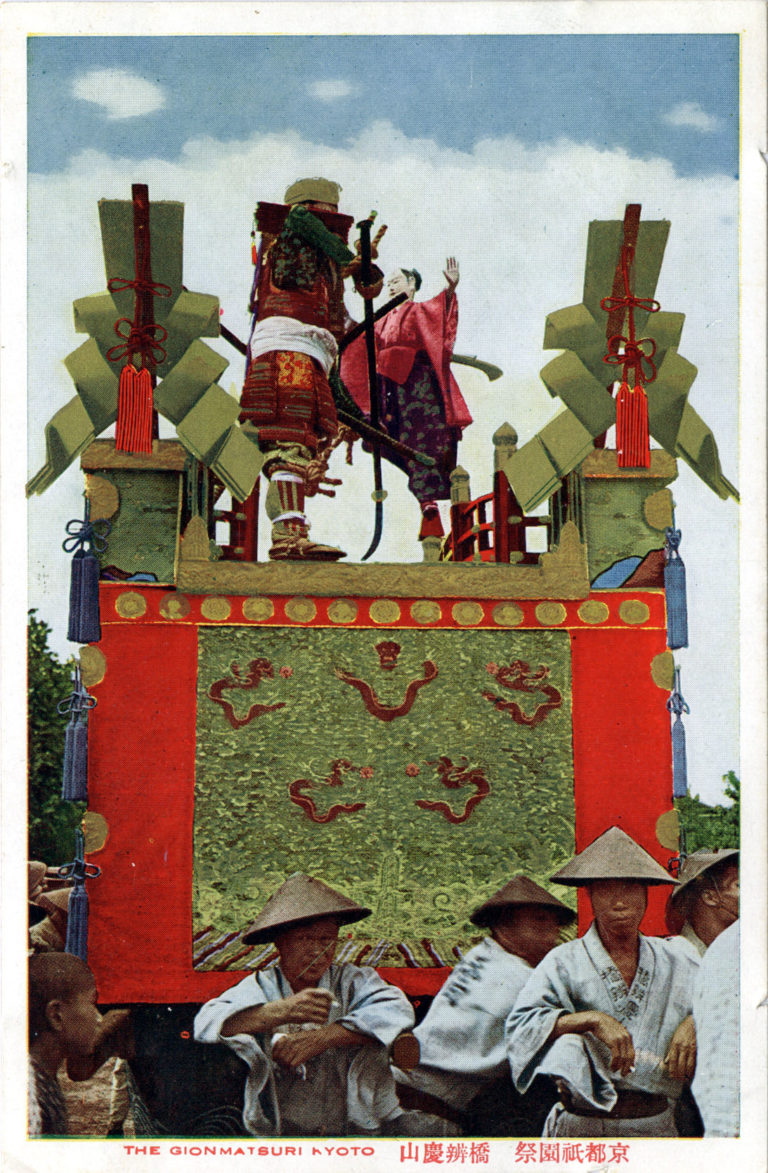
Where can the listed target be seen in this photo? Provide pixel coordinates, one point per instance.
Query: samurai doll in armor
(298, 320)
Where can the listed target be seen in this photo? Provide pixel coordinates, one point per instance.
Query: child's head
(62, 1002)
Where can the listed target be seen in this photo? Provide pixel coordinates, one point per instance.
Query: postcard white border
(746, 17)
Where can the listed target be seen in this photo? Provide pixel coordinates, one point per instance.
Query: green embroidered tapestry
(415, 770)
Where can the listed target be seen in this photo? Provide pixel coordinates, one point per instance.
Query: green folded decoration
(67, 435)
(574, 328)
(166, 232)
(96, 382)
(96, 315)
(667, 397)
(566, 442)
(237, 463)
(568, 378)
(531, 474)
(186, 392)
(604, 242)
(195, 315)
(579, 376)
(192, 315)
(202, 429)
(188, 380)
(697, 446)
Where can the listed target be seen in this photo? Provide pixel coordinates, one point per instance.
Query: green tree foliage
(51, 822)
(711, 826)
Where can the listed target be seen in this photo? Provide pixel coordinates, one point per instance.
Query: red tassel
(632, 428)
(134, 410)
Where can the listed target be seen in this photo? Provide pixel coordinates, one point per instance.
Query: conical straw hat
(694, 866)
(299, 900)
(56, 901)
(614, 855)
(520, 891)
(35, 873)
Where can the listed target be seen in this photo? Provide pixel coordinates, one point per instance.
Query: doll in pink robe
(420, 403)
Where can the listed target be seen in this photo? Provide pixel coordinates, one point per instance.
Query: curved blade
(378, 526)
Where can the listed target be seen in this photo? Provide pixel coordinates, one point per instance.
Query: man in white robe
(704, 903)
(716, 1014)
(461, 1046)
(314, 1035)
(706, 899)
(608, 1016)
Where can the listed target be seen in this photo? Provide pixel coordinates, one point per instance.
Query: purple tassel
(74, 784)
(674, 587)
(84, 619)
(77, 923)
(77, 915)
(679, 760)
(677, 706)
(66, 772)
(79, 775)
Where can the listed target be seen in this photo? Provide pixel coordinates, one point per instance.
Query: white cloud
(120, 93)
(517, 219)
(692, 115)
(330, 89)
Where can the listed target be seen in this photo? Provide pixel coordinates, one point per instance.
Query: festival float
(410, 733)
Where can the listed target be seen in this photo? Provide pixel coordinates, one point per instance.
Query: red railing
(494, 526)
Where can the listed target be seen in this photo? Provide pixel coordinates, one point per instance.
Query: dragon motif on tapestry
(453, 778)
(518, 676)
(297, 790)
(257, 670)
(380, 709)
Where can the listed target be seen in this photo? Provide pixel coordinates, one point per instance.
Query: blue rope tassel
(677, 706)
(77, 917)
(674, 586)
(74, 778)
(84, 620)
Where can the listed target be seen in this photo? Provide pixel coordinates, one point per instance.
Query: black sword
(370, 345)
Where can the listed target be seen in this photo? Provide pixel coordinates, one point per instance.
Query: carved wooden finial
(194, 543)
(431, 548)
(504, 444)
(460, 491)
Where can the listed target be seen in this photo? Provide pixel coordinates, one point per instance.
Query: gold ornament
(384, 611)
(593, 611)
(425, 611)
(260, 610)
(550, 614)
(174, 606)
(342, 611)
(300, 610)
(215, 607)
(130, 605)
(633, 611)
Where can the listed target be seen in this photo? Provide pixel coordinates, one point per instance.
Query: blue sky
(662, 95)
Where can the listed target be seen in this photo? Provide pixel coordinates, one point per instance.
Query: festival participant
(299, 317)
(608, 1015)
(36, 885)
(420, 403)
(462, 1074)
(706, 900)
(704, 904)
(49, 935)
(716, 1015)
(64, 1024)
(313, 1034)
